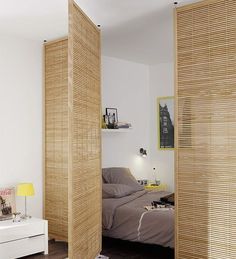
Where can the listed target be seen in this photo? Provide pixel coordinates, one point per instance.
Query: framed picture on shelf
(165, 118)
(7, 203)
(112, 115)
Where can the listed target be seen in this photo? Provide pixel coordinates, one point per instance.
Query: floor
(114, 249)
(57, 250)
(117, 249)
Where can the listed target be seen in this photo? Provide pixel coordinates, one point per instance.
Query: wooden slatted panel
(56, 138)
(206, 141)
(84, 135)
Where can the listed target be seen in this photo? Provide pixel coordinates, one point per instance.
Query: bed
(124, 215)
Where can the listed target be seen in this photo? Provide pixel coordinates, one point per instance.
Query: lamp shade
(25, 189)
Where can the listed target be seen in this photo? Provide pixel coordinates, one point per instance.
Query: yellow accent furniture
(161, 187)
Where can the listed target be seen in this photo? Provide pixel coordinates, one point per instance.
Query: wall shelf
(116, 130)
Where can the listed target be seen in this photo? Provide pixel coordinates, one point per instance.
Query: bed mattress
(126, 218)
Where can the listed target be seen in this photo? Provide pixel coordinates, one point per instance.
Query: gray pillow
(121, 175)
(110, 190)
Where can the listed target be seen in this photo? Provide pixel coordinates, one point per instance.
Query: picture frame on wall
(165, 120)
(112, 115)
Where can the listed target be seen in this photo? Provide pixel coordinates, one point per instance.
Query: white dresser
(23, 238)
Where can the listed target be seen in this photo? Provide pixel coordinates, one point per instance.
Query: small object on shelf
(111, 126)
(112, 115)
(143, 182)
(116, 130)
(16, 217)
(104, 124)
(111, 118)
(105, 118)
(156, 181)
(124, 125)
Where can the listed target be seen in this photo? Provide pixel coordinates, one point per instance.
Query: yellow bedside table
(161, 187)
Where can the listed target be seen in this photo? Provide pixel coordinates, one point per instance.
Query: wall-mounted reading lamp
(143, 152)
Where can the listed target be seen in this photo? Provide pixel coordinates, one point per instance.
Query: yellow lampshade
(25, 189)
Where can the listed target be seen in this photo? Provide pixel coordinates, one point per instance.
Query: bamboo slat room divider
(206, 130)
(56, 138)
(72, 137)
(84, 136)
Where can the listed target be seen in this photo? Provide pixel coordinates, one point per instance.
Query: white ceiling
(136, 30)
(33, 19)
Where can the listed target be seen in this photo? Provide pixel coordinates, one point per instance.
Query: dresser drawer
(21, 230)
(22, 247)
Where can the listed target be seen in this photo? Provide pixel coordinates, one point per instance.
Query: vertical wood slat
(84, 136)
(56, 139)
(206, 141)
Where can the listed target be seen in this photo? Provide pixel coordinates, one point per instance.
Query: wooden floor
(114, 249)
(118, 249)
(57, 250)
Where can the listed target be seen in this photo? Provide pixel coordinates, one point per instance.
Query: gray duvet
(125, 218)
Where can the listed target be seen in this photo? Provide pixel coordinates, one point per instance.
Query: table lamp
(25, 189)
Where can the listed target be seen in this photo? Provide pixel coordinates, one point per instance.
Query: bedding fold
(109, 207)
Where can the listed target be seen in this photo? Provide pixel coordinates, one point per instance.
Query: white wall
(21, 117)
(161, 84)
(133, 88)
(125, 86)
(123, 82)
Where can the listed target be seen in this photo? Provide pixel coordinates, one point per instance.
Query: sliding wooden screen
(84, 136)
(72, 137)
(56, 139)
(206, 130)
